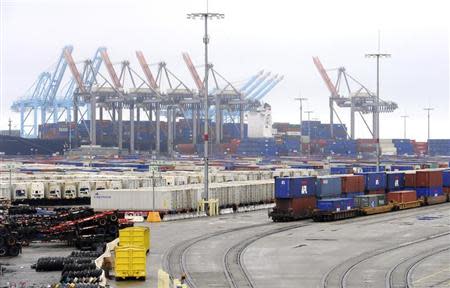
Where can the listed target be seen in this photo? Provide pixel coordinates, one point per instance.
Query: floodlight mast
(205, 16)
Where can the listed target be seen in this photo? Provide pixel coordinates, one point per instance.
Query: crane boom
(50, 93)
(251, 81)
(262, 87)
(109, 66)
(73, 69)
(194, 73)
(146, 69)
(270, 87)
(325, 77)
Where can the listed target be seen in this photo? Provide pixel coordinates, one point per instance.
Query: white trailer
(53, 190)
(84, 189)
(37, 190)
(69, 191)
(21, 191)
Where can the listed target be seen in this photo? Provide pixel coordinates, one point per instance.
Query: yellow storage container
(130, 262)
(135, 236)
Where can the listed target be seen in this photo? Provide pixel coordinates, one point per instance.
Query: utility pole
(404, 125)
(205, 16)
(376, 111)
(309, 130)
(9, 127)
(300, 99)
(428, 109)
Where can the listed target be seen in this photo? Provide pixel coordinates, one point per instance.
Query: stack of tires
(9, 242)
(102, 230)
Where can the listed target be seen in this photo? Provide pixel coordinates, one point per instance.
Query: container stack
(446, 183)
(258, 147)
(387, 147)
(352, 185)
(328, 187)
(395, 181)
(335, 204)
(429, 183)
(341, 170)
(439, 147)
(296, 194)
(403, 146)
(341, 147)
(375, 182)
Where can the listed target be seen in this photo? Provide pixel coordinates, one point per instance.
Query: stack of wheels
(85, 254)
(91, 276)
(9, 242)
(49, 264)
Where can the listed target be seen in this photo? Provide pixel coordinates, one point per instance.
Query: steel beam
(158, 128)
(120, 126)
(132, 129)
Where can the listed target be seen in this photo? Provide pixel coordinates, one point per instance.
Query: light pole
(205, 16)
(376, 112)
(404, 125)
(300, 99)
(309, 129)
(428, 109)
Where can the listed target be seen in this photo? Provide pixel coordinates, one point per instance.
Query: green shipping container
(373, 200)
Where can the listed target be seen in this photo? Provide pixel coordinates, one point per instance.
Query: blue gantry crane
(48, 95)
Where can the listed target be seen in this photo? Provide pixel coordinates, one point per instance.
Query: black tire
(100, 231)
(113, 229)
(3, 251)
(102, 222)
(14, 250)
(113, 218)
(11, 240)
(2, 241)
(3, 231)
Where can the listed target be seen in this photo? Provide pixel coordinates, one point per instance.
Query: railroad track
(401, 274)
(234, 271)
(337, 277)
(175, 259)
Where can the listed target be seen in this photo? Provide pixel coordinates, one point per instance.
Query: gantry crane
(360, 100)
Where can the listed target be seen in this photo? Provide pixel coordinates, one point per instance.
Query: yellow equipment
(153, 217)
(130, 262)
(135, 236)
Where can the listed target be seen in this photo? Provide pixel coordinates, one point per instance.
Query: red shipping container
(352, 183)
(402, 196)
(410, 179)
(185, 148)
(298, 207)
(446, 190)
(428, 178)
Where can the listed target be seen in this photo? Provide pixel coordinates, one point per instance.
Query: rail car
(391, 195)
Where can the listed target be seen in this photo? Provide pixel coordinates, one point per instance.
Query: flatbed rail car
(376, 210)
(323, 216)
(407, 205)
(432, 200)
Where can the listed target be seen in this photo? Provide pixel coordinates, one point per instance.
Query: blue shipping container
(395, 181)
(374, 180)
(328, 186)
(341, 170)
(446, 178)
(429, 192)
(295, 187)
(335, 204)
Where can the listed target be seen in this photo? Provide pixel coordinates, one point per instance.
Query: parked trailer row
(183, 198)
(80, 186)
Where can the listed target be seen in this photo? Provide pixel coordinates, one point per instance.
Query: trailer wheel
(3, 231)
(113, 218)
(14, 250)
(102, 222)
(10, 240)
(3, 251)
(112, 229)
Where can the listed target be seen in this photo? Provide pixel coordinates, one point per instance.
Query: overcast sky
(277, 36)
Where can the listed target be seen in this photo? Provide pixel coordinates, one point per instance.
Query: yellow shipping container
(130, 262)
(135, 236)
